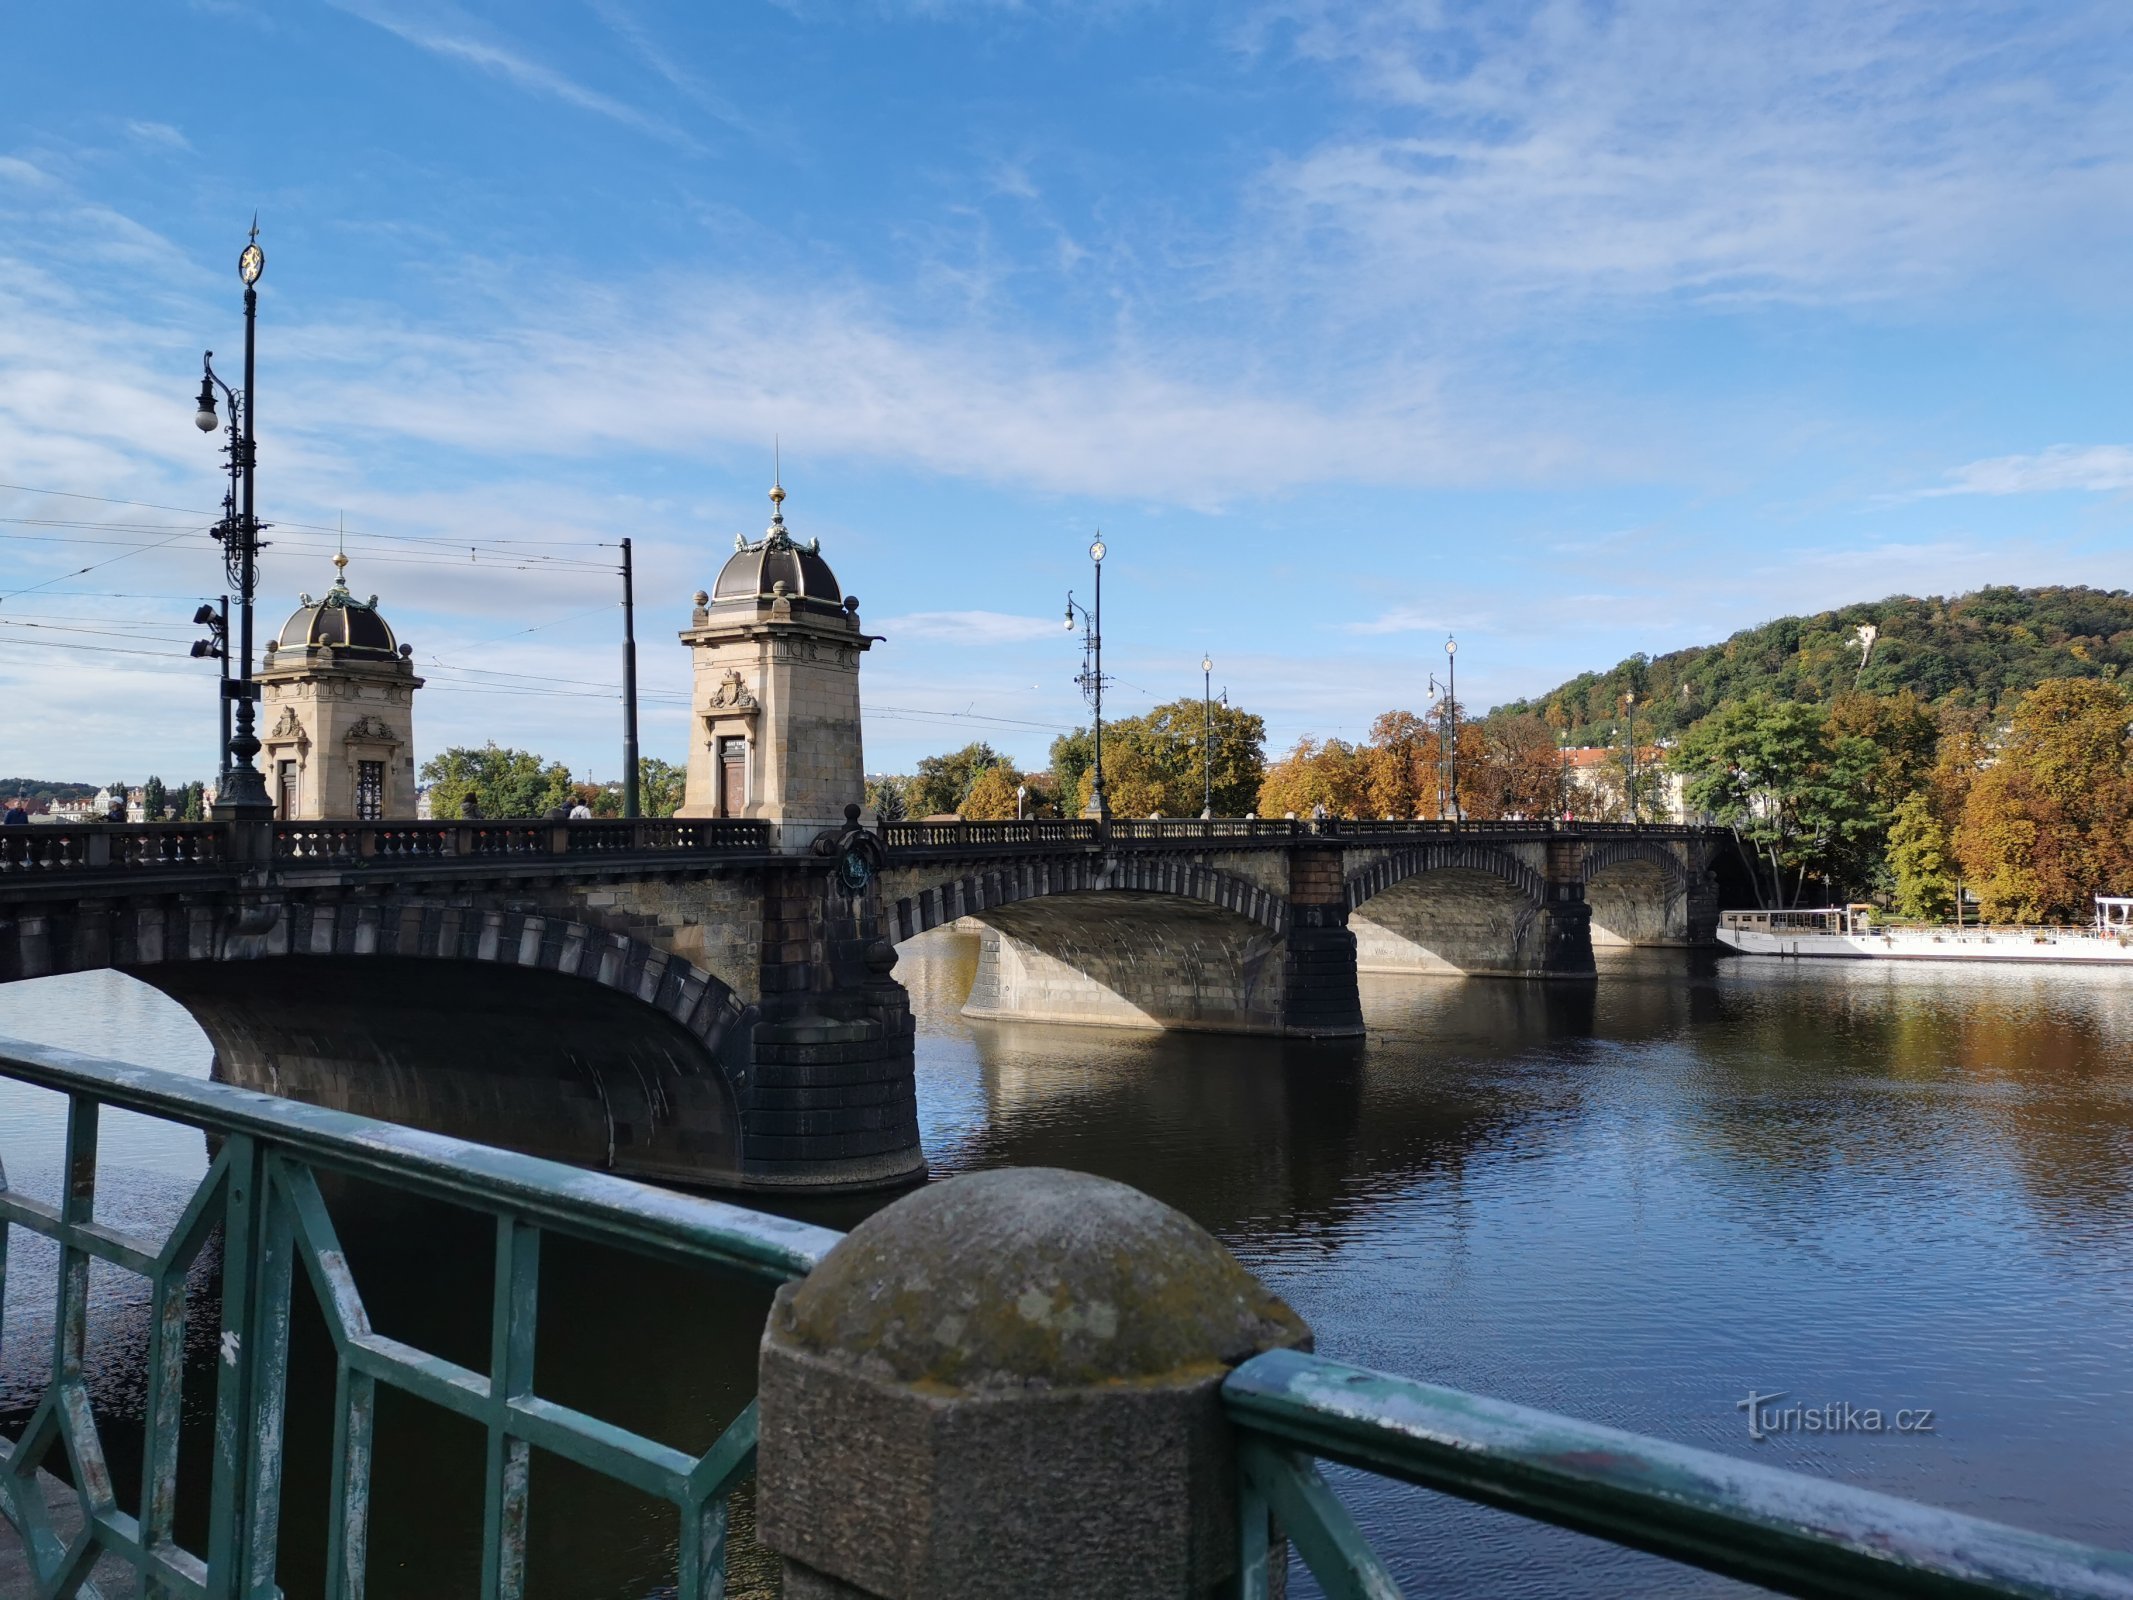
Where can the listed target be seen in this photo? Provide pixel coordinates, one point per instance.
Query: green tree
(1921, 859)
(1750, 766)
(661, 786)
(1160, 763)
(504, 782)
(1073, 754)
(155, 800)
(886, 798)
(192, 803)
(943, 781)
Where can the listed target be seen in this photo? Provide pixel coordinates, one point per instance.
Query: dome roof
(755, 570)
(351, 627)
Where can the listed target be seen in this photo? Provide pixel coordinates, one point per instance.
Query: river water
(1887, 1187)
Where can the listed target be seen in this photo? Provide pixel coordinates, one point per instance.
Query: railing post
(1009, 1385)
(97, 848)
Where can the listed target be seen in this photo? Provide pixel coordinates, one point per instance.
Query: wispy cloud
(160, 134)
(971, 627)
(1802, 150)
(514, 67)
(2093, 468)
(1401, 619)
(642, 44)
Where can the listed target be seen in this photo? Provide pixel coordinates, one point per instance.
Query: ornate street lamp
(1091, 677)
(242, 793)
(1629, 750)
(1451, 720)
(1207, 735)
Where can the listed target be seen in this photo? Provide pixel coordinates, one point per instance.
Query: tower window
(370, 791)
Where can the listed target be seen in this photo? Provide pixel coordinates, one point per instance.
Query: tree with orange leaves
(2049, 824)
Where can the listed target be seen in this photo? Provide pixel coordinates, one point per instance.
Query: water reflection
(1630, 1201)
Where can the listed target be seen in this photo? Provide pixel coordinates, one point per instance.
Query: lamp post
(1207, 736)
(1629, 750)
(1091, 677)
(242, 794)
(631, 799)
(216, 646)
(1562, 773)
(1451, 720)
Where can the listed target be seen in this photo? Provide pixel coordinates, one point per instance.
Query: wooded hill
(1975, 651)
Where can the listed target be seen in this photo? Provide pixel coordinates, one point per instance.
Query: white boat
(1851, 933)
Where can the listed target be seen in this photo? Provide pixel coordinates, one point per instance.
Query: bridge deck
(192, 852)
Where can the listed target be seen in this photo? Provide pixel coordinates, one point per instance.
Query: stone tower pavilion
(775, 710)
(337, 716)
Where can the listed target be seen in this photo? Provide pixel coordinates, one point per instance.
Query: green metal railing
(1780, 1530)
(1786, 1532)
(262, 1191)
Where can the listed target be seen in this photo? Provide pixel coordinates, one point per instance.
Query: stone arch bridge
(680, 1000)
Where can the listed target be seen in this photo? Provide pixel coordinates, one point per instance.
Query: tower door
(732, 777)
(285, 790)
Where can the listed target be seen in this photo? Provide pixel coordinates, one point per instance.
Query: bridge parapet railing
(621, 835)
(424, 841)
(1259, 830)
(957, 835)
(262, 1193)
(49, 848)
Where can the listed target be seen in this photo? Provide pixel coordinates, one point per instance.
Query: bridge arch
(1638, 890)
(1454, 907)
(1132, 940)
(987, 886)
(452, 1018)
(1445, 855)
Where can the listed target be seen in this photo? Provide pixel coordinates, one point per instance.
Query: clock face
(251, 263)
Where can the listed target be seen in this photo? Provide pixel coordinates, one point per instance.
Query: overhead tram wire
(441, 542)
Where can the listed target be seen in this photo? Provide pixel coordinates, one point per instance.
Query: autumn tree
(992, 798)
(1400, 765)
(2049, 824)
(942, 781)
(1333, 774)
(1509, 767)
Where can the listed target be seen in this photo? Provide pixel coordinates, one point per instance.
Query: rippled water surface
(1632, 1202)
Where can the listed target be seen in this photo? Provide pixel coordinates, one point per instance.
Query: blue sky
(1576, 328)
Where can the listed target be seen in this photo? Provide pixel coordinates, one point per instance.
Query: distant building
(1597, 779)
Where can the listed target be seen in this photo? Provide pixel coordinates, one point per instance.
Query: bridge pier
(830, 1101)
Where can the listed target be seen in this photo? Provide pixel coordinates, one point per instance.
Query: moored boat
(1853, 933)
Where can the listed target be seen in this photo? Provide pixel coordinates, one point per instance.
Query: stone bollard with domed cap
(1006, 1385)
